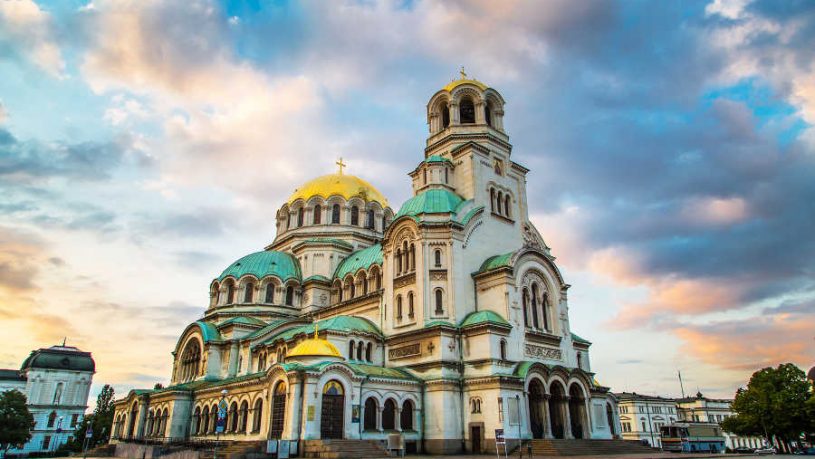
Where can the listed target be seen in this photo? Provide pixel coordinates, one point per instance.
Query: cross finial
(463, 73)
(340, 164)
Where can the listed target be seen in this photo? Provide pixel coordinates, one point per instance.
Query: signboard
(499, 437)
(310, 413)
(220, 422)
(89, 432)
(404, 352)
(355, 413)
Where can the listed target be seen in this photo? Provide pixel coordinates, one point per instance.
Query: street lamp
(520, 442)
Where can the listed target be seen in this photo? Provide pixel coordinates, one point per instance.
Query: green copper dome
(262, 264)
(60, 358)
(434, 201)
(361, 259)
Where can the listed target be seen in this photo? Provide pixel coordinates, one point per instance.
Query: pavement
(655, 455)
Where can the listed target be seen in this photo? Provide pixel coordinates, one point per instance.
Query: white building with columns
(56, 382)
(442, 321)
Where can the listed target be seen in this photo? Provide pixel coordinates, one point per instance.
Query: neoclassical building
(442, 321)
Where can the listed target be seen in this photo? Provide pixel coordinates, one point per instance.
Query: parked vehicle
(763, 451)
(806, 452)
(743, 450)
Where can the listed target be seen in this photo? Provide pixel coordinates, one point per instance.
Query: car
(743, 450)
(806, 452)
(763, 451)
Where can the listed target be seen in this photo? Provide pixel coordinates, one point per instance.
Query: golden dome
(456, 83)
(347, 186)
(314, 347)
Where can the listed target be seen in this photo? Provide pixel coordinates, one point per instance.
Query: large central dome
(347, 186)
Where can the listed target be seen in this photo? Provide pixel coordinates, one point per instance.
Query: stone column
(567, 421)
(397, 422)
(480, 117)
(294, 407)
(455, 119)
(379, 410)
(547, 423)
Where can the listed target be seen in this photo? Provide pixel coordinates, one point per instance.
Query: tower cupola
(465, 104)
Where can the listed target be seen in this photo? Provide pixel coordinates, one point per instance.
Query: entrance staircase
(551, 447)
(335, 449)
(239, 449)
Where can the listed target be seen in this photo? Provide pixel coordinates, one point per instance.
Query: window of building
(579, 360)
(437, 258)
(270, 292)
(335, 213)
(230, 293)
(299, 217)
(370, 222)
(355, 216)
(399, 307)
(52, 418)
(644, 428)
(492, 200)
(247, 295)
(290, 295)
(424, 174)
(475, 405)
(439, 301)
(488, 114)
(318, 214)
(369, 352)
(446, 177)
(467, 111)
(498, 202)
(410, 305)
(351, 350)
(445, 115)
(360, 350)
(507, 212)
(46, 442)
(58, 393)
(74, 419)
(503, 349)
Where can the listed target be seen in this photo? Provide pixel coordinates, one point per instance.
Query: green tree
(99, 421)
(774, 404)
(15, 420)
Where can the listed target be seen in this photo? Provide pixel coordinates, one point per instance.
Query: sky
(146, 145)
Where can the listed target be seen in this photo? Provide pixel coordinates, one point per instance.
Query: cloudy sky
(145, 145)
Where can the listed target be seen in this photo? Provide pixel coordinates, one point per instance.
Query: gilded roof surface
(456, 83)
(347, 186)
(361, 259)
(337, 323)
(314, 347)
(265, 263)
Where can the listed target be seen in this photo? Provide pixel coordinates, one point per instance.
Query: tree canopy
(775, 403)
(15, 420)
(100, 422)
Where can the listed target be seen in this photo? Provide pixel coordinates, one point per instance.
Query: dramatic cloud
(26, 31)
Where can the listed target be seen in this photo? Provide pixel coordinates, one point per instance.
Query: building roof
(461, 81)
(271, 326)
(336, 323)
(209, 332)
(60, 358)
(578, 339)
(633, 396)
(483, 317)
(244, 320)
(495, 262)
(314, 347)
(361, 259)
(262, 264)
(437, 159)
(360, 369)
(433, 201)
(347, 186)
(11, 375)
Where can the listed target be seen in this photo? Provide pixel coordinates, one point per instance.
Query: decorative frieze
(530, 350)
(404, 280)
(438, 274)
(411, 350)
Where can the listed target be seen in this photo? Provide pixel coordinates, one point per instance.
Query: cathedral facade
(443, 321)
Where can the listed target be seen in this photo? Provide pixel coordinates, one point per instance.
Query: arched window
(369, 352)
(58, 393)
(506, 207)
(196, 421)
(503, 349)
(338, 288)
(475, 405)
(290, 295)
(247, 292)
(525, 304)
(216, 289)
(399, 307)
(384, 223)
(233, 417)
(369, 422)
(204, 428)
(230, 293)
(410, 305)
(546, 312)
(445, 115)
(352, 288)
(355, 216)
(412, 257)
(299, 217)
(424, 174)
(439, 301)
(244, 416)
(370, 222)
(318, 214)
(52, 418)
(190, 361)
(497, 168)
(406, 417)
(488, 114)
(257, 415)
(351, 350)
(579, 360)
(535, 322)
(492, 200)
(398, 261)
(378, 280)
(270, 292)
(437, 257)
(498, 201)
(360, 350)
(389, 415)
(335, 213)
(445, 175)
(406, 259)
(466, 111)
(364, 284)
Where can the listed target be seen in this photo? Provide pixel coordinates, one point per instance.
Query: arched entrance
(278, 411)
(537, 415)
(134, 414)
(557, 413)
(610, 419)
(577, 411)
(332, 413)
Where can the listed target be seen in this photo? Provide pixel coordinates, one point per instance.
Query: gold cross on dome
(463, 73)
(340, 164)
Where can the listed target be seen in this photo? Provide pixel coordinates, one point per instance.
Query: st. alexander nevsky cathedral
(441, 322)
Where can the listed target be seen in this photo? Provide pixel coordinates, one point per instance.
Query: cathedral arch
(336, 210)
(257, 414)
(337, 291)
(229, 291)
(317, 214)
(369, 415)
(438, 301)
(247, 288)
(389, 414)
(190, 361)
(214, 293)
(375, 275)
(269, 286)
(362, 281)
(407, 414)
(350, 287)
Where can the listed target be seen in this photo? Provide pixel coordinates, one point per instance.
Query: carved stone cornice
(406, 279)
(540, 337)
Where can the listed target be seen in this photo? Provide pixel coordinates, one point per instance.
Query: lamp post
(520, 442)
(219, 422)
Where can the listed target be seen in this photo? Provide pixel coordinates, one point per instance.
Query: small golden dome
(314, 347)
(347, 186)
(456, 83)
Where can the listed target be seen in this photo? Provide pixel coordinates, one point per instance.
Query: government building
(440, 321)
(56, 382)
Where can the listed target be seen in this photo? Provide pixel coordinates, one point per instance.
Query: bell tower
(468, 151)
